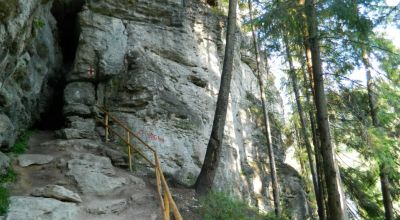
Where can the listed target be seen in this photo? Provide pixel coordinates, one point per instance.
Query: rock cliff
(30, 57)
(155, 64)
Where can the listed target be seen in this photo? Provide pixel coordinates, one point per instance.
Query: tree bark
(321, 201)
(336, 207)
(385, 184)
(206, 178)
(303, 127)
(271, 156)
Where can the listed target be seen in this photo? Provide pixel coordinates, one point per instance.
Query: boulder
(79, 93)
(57, 192)
(94, 174)
(78, 128)
(28, 208)
(107, 207)
(30, 159)
(187, 176)
(76, 109)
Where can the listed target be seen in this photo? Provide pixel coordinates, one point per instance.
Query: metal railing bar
(126, 128)
(166, 200)
(175, 209)
(158, 183)
(135, 149)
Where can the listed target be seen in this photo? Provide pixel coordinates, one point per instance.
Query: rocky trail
(84, 179)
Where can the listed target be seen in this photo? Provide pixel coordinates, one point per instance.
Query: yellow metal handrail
(164, 194)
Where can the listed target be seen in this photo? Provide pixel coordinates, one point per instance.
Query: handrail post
(166, 208)
(166, 200)
(128, 139)
(106, 126)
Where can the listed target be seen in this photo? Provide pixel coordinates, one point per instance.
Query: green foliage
(360, 186)
(220, 206)
(9, 177)
(218, 11)
(4, 200)
(38, 23)
(346, 34)
(21, 144)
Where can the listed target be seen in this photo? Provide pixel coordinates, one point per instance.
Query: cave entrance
(52, 117)
(66, 14)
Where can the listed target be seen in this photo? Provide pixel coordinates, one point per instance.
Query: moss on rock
(8, 8)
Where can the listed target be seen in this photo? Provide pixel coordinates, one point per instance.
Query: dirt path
(106, 191)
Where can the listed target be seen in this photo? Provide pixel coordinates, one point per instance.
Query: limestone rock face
(26, 208)
(157, 68)
(29, 57)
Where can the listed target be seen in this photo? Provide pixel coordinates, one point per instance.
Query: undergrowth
(220, 206)
(9, 177)
(19, 147)
(21, 144)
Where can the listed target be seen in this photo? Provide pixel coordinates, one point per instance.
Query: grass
(220, 206)
(9, 177)
(4, 200)
(21, 144)
(19, 147)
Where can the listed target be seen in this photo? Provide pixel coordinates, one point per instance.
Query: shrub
(220, 206)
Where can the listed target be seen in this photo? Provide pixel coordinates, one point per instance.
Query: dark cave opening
(213, 3)
(66, 15)
(52, 117)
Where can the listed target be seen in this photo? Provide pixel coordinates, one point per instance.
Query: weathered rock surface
(62, 182)
(7, 132)
(28, 208)
(156, 65)
(117, 157)
(157, 68)
(94, 174)
(29, 58)
(30, 159)
(57, 192)
(107, 207)
(4, 163)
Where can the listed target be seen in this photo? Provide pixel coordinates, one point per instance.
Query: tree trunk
(206, 178)
(385, 184)
(321, 201)
(322, 213)
(271, 156)
(303, 126)
(336, 207)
